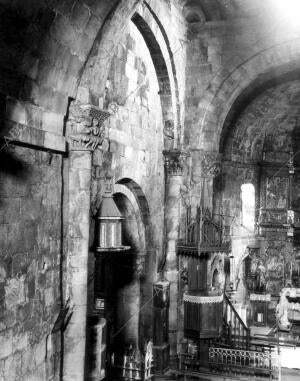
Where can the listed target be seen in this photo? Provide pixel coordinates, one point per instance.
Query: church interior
(149, 190)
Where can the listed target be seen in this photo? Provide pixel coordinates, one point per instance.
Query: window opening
(248, 206)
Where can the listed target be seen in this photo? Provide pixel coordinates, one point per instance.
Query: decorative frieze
(260, 297)
(202, 299)
(85, 128)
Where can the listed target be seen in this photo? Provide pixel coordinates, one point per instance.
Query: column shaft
(77, 263)
(172, 218)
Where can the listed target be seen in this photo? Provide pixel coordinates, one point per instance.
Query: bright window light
(248, 206)
(289, 10)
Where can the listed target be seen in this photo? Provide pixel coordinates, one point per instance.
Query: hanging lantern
(109, 226)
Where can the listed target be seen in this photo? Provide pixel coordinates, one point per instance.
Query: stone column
(174, 171)
(85, 133)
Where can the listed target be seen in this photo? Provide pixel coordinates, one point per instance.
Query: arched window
(248, 206)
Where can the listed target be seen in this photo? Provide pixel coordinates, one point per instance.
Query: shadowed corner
(10, 165)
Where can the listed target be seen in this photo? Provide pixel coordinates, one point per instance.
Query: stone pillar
(85, 133)
(174, 171)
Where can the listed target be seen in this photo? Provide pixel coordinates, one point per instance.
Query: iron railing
(233, 361)
(243, 361)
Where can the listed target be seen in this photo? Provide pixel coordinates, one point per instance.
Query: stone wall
(52, 51)
(30, 263)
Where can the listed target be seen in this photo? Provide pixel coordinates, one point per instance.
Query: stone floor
(290, 374)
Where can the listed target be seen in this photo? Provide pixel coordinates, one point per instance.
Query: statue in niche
(260, 278)
(216, 281)
(283, 323)
(256, 279)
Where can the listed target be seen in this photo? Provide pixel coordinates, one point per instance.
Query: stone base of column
(161, 358)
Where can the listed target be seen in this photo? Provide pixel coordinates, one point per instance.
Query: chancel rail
(234, 361)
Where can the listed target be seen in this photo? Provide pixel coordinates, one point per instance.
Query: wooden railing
(237, 334)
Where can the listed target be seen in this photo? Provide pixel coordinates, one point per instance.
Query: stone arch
(123, 190)
(158, 45)
(94, 73)
(150, 15)
(134, 193)
(229, 89)
(58, 53)
(86, 35)
(128, 273)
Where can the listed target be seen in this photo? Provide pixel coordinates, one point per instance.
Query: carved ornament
(211, 164)
(85, 128)
(250, 175)
(175, 161)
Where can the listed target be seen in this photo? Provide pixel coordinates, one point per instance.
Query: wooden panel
(197, 274)
(160, 325)
(203, 320)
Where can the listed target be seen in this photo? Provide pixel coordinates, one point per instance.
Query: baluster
(124, 366)
(235, 328)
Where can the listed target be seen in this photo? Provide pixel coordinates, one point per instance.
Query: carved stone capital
(85, 127)
(250, 175)
(174, 162)
(140, 265)
(210, 164)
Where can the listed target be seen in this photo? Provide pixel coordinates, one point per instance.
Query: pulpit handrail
(242, 327)
(236, 313)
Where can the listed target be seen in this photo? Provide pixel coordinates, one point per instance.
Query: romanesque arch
(226, 88)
